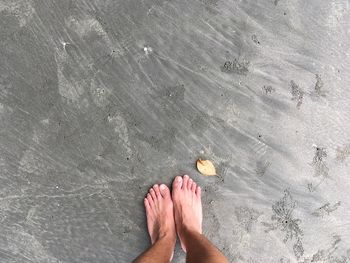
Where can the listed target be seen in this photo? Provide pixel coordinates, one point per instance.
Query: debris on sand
(297, 93)
(319, 85)
(268, 89)
(255, 39)
(236, 66)
(319, 162)
(206, 167)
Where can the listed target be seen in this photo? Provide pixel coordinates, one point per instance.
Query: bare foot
(187, 206)
(160, 214)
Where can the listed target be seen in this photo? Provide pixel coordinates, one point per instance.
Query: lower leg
(200, 249)
(160, 252)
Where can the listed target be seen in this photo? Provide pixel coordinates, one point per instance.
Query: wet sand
(99, 100)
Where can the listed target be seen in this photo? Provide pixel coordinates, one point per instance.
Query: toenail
(151, 190)
(179, 179)
(162, 187)
(155, 185)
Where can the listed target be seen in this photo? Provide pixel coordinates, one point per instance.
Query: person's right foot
(160, 214)
(186, 197)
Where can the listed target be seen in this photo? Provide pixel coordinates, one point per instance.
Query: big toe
(164, 191)
(177, 183)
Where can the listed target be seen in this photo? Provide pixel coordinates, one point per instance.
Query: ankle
(168, 236)
(188, 230)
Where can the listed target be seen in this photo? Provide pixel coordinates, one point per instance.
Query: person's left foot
(160, 213)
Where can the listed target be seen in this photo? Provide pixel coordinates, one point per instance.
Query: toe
(177, 183)
(153, 194)
(164, 191)
(157, 191)
(147, 206)
(194, 186)
(185, 181)
(198, 191)
(189, 184)
(150, 200)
